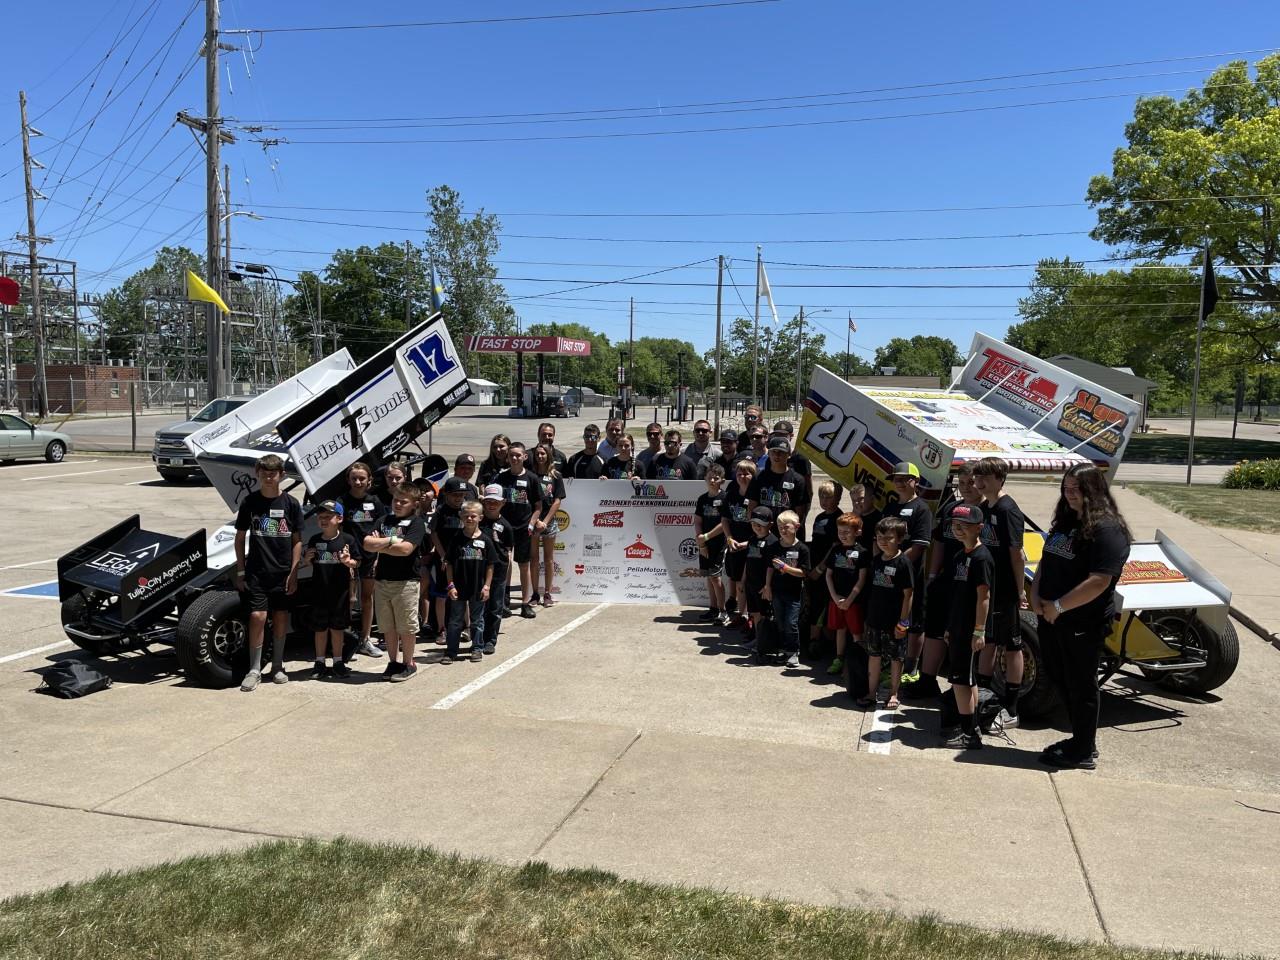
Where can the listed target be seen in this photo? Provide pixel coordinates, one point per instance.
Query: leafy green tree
(776, 358)
(835, 362)
(920, 357)
(462, 249)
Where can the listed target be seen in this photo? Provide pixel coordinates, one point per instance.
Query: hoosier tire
(212, 639)
(1222, 652)
(1039, 698)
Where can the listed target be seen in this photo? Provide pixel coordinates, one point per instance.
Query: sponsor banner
(162, 576)
(564, 346)
(1058, 405)
(855, 439)
(630, 543)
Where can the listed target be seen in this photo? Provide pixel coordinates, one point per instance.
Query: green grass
(315, 900)
(1172, 448)
(1242, 509)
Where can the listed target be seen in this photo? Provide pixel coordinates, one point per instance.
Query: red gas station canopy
(562, 346)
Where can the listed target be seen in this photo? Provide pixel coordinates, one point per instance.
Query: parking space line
(27, 466)
(85, 473)
(484, 680)
(880, 737)
(34, 650)
(30, 563)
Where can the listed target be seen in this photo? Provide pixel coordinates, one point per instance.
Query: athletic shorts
(850, 619)
(735, 564)
(330, 610)
(1004, 627)
(883, 644)
(937, 603)
(712, 565)
(962, 662)
(757, 603)
(396, 603)
(524, 545)
(266, 595)
(367, 561)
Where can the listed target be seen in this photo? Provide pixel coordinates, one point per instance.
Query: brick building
(79, 387)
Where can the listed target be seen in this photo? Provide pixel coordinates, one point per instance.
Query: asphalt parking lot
(658, 687)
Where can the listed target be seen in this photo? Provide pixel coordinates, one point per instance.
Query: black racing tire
(1222, 652)
(212, 638)
(173, 476)
(1038, 698)
(73, 611)
(55, 451)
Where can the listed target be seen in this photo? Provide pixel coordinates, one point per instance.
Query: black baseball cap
(968, 513)
(464, 458)
(779, 443)
(455, 485)
(762, 514)
(727, 434)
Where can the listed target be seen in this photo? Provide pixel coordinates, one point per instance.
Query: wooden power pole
(40, 389)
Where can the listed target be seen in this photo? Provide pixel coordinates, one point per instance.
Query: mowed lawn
(315, 900)
(1217, 506)
(1172, 448)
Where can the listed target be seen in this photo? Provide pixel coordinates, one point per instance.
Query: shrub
(1253, 475)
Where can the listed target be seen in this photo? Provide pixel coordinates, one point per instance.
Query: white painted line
(484, 680)
(880, 737)
(33, 563)
(85, 473)
(21, 466)
(34, 650)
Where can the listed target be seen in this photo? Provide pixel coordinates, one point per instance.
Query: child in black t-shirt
(468, 565)
(524, 502)
(498, 530)
(442, 527)
(846, 578)
(708, 527)
(268, 550)
(821, 536)
(362, 510)
(969, 590)
(888, 609)
(395, 595)
(785, 581)
(735, 515)
(1003, 537)
(334, 558)
(756, 568)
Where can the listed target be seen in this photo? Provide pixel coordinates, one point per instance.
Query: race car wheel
(74, 610)
(212, 639)
(1038, 697)
(1222, 651)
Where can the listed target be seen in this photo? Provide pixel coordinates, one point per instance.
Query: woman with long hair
(496, 462)
(623, 465)
(544, 467)
(1073, 596)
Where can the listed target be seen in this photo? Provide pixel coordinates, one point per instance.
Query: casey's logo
(638, 550)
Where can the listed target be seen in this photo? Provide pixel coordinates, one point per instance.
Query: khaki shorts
(396, 604)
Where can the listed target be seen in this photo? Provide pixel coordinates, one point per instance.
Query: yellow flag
(197, 289)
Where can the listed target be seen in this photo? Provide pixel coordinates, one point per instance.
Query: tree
(128, 311)
(920, 357)
(462, 249)
(777, 357)
(835, 362)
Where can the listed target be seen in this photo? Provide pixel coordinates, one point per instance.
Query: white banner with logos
(629, 543)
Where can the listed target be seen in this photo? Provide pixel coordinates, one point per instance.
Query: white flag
(762, 290)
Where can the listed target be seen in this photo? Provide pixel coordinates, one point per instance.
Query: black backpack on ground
(985, 714)
(71, 679)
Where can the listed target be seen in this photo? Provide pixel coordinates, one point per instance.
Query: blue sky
(825, 182)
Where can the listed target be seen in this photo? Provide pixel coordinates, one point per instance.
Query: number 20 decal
(837, 435)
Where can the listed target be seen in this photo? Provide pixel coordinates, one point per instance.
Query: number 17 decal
(837, 435)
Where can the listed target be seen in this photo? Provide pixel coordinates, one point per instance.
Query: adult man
(652, 433)
(727, 456)
(758, 435)
(613, 431)
(778, 487)
(702, 447)
(587, 463)
(547, 438)
(799, 463)
(671, 464)
(915, 514)
(752, 417)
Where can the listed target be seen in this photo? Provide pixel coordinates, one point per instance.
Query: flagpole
(847, 339)
(755, 343)
(1195, 377)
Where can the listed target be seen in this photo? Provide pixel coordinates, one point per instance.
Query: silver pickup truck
(170, 454)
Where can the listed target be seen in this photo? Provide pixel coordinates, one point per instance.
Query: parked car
(170, 454)
(21, 440)
(558, 405)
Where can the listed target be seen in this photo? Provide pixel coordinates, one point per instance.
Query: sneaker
(1007, 720)
(507, 613)
(964, 741)
(381, 643)
(426, 633)
(490, 647)
(526, 611)
(319, 671)
(710, 615)
(407, 673)
(723, 619)
(912, 677)
(251, 681)
(477, 654)
(367, 649)
(535, 600)
(445, 659)
(1064, 761)
(749, 645)
(341, 670)
(793, 659)
(548, 600)
(394, 667)
(837, 665)
(1061, 746)
(280, 677)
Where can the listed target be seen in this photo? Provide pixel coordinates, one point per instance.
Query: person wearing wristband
(969, 573)
(395, 594)
(784, 583)
(884, 634)
(708, 528)
(468, 566)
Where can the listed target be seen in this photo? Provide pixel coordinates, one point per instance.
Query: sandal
(892, 703)
(865, 703)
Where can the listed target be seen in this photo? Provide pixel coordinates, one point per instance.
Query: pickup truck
(174, 461)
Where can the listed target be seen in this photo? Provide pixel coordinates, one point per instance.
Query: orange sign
(1150, 571)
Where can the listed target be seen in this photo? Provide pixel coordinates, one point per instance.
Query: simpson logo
(610, 518)
(1016, 380)
(672, 520)
(562, 520)
(688, 549)
(638, 550)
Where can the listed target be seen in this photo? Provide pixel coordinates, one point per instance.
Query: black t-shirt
(523, 496)
(757, 563)
(868, 535)
(679, 467)
(1003, 532)
(488, 471)
(888, 581)
(273, 525)
(845, 564)
(709, 508)
(734, 510)
(919, 523)
(965, 573)
(360, 515)
(778, 491)
(499, 533)
(947, 543)
(823, 533)
(618, 469)
(445, 523)
(552, 490)
(795, 555)
(410, 529)
(558, 458)
(329, 575)
(1068, 559)
(468, 559)
(585, 466)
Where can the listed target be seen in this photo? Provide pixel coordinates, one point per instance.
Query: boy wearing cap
(800, 464)
(777, 486)
(362, 510)
(890, 591)
(268, 550)
(523, 498)
(1003, 537)
(784, 583)
(759, 547)
(970, 574)
(395, 593)
(468, 566)
(499, 533)
(913, 512)
(671, 464)
(587, 463)
(334, 558)
(464, 469)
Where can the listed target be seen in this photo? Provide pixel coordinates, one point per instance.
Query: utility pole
(212, 143)
(799, 354)
(719, 294)
(408, 318)
(226, 277)
(39, 386)
(755, 345)
(631, 358)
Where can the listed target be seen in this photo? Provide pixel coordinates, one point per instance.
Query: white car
(20, 440)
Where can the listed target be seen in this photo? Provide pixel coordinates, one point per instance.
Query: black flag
(1208, 289)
